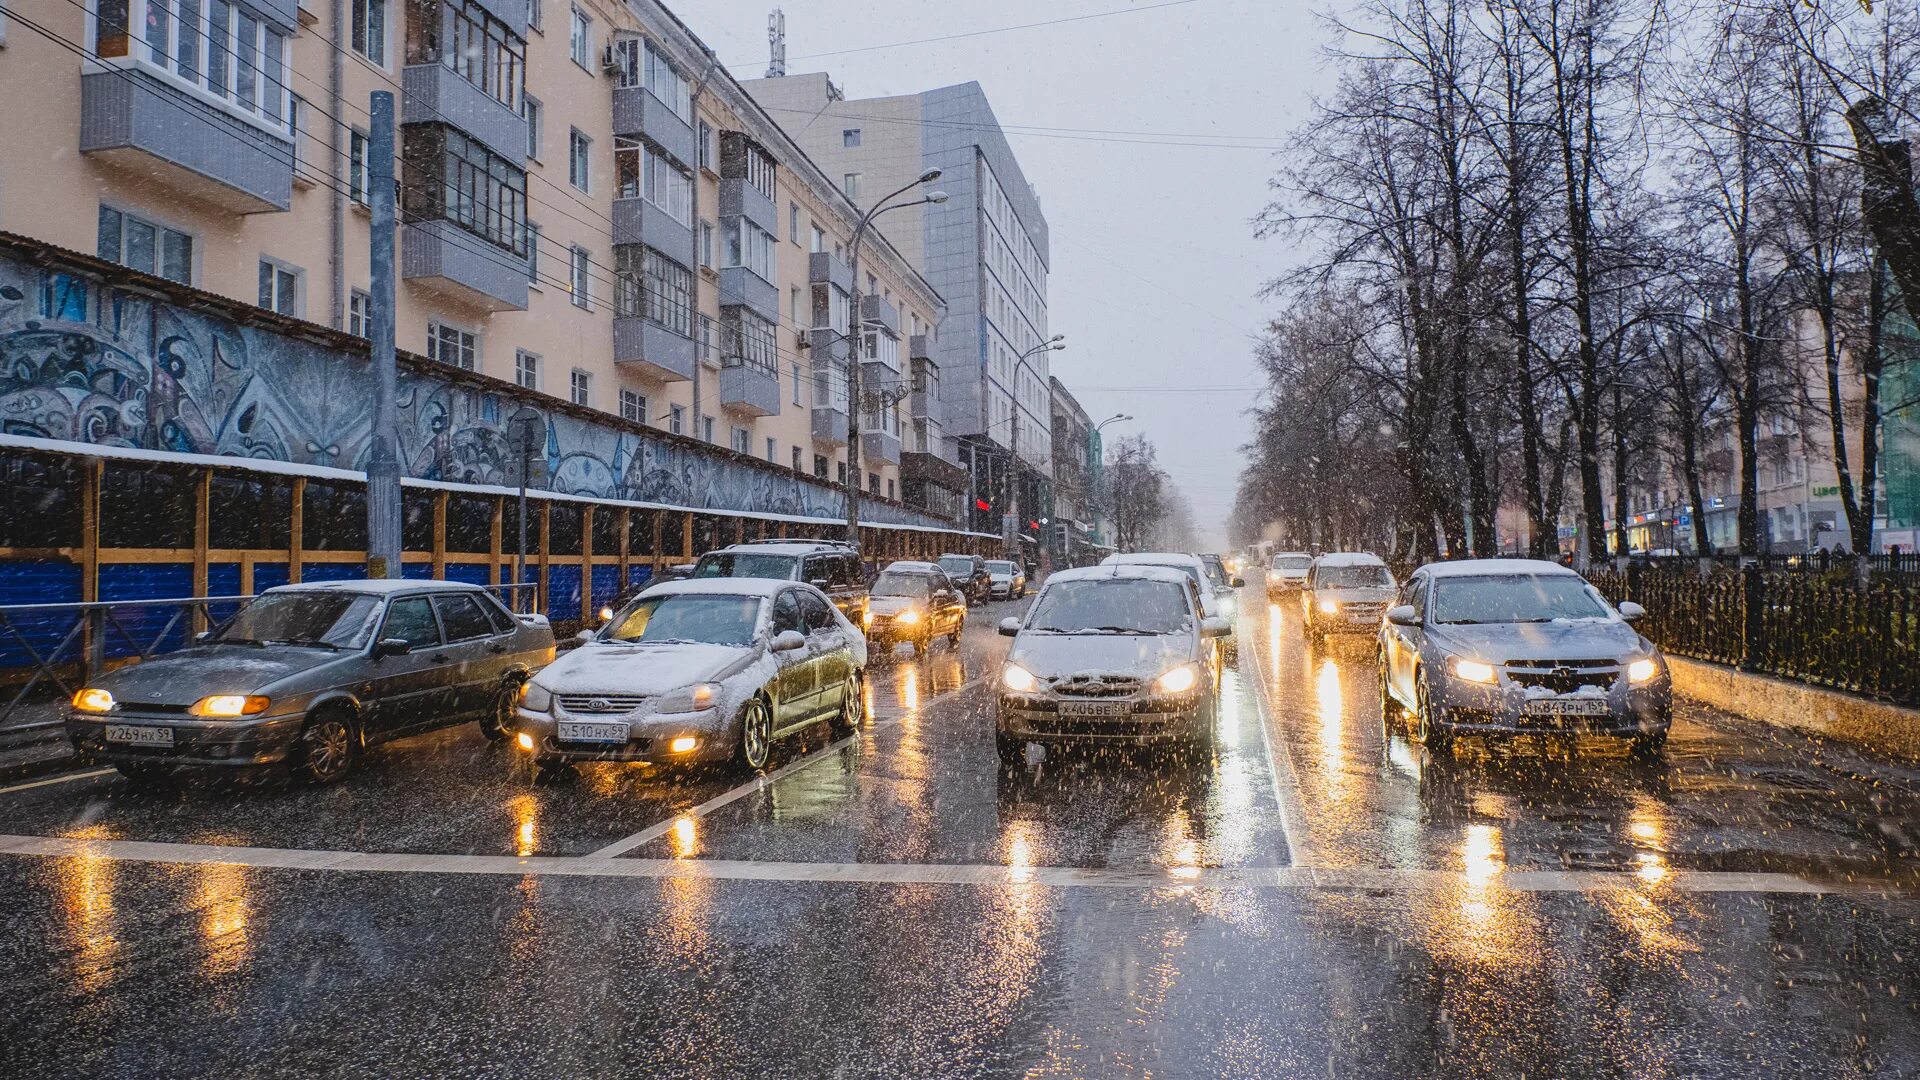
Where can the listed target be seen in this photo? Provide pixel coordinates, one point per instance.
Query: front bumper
(885, 630)
(1344, 621)
(260, 740)
(1148, 720)
(1470, 708)
(648, 736)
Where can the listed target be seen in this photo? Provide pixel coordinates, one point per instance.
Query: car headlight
(1179, 680)
(229, 705)
(866, 619)
(1643, 670)
(689, 699)
(1473, 671)
(536, 698)
(907, 617)
(1018, 679)
(93, 699)
(1330, 607)
(606, 614)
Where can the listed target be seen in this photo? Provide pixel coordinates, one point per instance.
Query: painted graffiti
(86, 361)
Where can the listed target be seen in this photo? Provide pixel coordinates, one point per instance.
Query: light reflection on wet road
(1430, 957)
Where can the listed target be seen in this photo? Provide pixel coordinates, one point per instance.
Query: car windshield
(1361, 576)
(340, 620)
(1515, 598)
(956, 566)
(751, 564)
(1216, 572)
(898, 583)
(1111, 606)
(1188, 569)
(999, 567)
(679, 617)
(1292, 562)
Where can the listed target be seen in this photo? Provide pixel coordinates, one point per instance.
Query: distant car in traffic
(1216, 601)
(970, 573)
(712, 670)
(1519, 646)
(1117, 653)
(828, 565)
(1346, 592)
(1287, 573)
(1006, 580)
(311, 675)
(914, 602)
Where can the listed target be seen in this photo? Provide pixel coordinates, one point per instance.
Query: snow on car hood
(892, 605)
(639, 669)
(1562, 639)
(185, 677)
(1361, 595)
(1053, 655)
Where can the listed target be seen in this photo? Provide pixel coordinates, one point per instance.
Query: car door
(827, 648)
(795, 682)
(418, 687)
(478, 659)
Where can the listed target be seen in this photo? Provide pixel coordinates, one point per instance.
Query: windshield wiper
(1114, 630)
(297, 643)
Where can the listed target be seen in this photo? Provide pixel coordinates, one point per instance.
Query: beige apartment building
(591, 206)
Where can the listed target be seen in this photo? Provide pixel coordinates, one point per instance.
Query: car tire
(1434, 736)
(325, 749)
(1012, 751)
(750, 754)
(1649, 744)
(497, 724)
(142, 774)
(923, 644)
(853, 707)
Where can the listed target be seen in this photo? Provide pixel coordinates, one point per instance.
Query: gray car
(310, 675)
(1110, 654)
(1519, 646)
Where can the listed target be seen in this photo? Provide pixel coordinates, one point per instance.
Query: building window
(279, 287)
(626, 62)
(579, 265)
(533, 14)
(706, 428)
(526, 369)
(677, 420)
(452, 177)
(534, 114)
(738, 438)
(796, 459)
(773, 449)
(840, 472)
(245, 62)
(580, 40)
(641, 170)
(819, 243)
(850, 137)
(793, 222)
(581, 387)
(533, 255)
(820, 466)
(796, 382)
(475, 45)
(141, 245)
(873, 483)
(359, 168)
(743, 159)
(850, 183)
(453, 346)
(649, 285)
(665, 83)
(750, 246)
(705, 151)
(706, 244)
(633, 406)
(795, 311)
(890, 487)
(369, 29)
(750, 340)
(579, 159)
(359, 314)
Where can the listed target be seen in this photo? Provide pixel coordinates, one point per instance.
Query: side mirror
(1403, 615)
(1239, 583)
(787, 641)
(584, 636)
(1631, 611)
(1009, 627)
(1215, 627)
(391, 646)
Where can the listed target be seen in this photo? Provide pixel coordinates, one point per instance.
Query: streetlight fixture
(1052, 344)
(854, 464)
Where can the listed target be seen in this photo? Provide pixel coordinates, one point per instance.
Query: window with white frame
(581, 387)
(142, 245)
(706, 338)
(649, 285)
(455, 178)
(739, 439)
(626, 62)
(533, 15)
(793, 222)
(359, 314)
(850, 137)
(773, 449)
(832, 308)
(796, 384)
(706, 244)
(359, 169)
(706, 428)
(216, 47)
(526, 369)
(453, 346)
(750, 340)
(677, 419)
(641, 170)
(705, 151)
(665, 82)
(580, 39)
(819, 243)
(751, 246)
(633, 406)
(477, 46)
(579, 159)
(533, 255)
(369, 32)
(850, 184)
(279, 287)
(579, 276)
(536, 116)
(797, 459)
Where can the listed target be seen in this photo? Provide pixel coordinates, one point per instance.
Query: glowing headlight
(229, 705)
(93, 699)
(525, 740)
(1018, 679)
(1473, 671)
(907, 617)
(1330, 607)
(682, 744)
(1178, 681)
(606, 614)
(691, 699)
(1643, 670)
(866, 619)
(537, 698)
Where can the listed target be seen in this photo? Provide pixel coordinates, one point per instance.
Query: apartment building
(985, 250)
(590, 205)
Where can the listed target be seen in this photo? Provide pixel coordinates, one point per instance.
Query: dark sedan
(310, 675)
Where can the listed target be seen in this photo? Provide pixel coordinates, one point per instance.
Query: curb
(1832, 714)
(38, 759)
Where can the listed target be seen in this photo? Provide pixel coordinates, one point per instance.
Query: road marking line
(761, 783)
(63, 779)
(1234, 877)
(1286, 791)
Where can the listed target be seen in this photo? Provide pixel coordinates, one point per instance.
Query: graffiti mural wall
(84, 360)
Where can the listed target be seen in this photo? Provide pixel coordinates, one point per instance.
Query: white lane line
(971, 874)
(67, 778)
(1286, 787)
(761, 783)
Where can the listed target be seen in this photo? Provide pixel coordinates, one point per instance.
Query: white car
(1009, 582)
(710, 670)
(1215, 603)
(1287, 573)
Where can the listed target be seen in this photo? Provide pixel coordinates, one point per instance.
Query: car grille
(1369, 609)
(150, 708)
(589, 704)
(1056, 725)
(1095, 686)
(1564, 676)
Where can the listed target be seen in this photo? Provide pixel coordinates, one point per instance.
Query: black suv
(831, 566)
(970, 575)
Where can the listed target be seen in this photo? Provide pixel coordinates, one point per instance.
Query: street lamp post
(1052, 344)
(858, 324)
(1099, 455)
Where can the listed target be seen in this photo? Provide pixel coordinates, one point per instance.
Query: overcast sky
(1154, 268)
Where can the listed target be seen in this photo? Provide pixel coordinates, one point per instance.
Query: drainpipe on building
(337, 205)
(693, 326)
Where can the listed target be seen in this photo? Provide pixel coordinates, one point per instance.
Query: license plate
(577, 732)
(140, 735)
(1094, 708)
(1567, 707)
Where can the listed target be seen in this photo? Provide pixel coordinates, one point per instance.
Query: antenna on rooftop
(777, 43)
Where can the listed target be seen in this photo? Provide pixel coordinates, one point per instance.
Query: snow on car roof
(381, 586)
(1350, 558)
(1465, 567)
(723, 586)
(1154, 558)
(797, 547)
(913, 565)
(1110, 571)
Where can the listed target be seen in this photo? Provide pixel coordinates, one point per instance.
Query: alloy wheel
(756, 734)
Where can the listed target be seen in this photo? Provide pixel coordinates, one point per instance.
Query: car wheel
(1012, 751)
(142, 774)
(756, 736)
(852, 704)
(1649, 744)
(498, 723)
(923, 643)
(1432, 733)
(324, 751)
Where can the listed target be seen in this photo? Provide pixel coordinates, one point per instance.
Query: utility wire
(995, 30)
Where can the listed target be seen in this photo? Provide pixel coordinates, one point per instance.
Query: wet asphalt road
(1324, 898)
